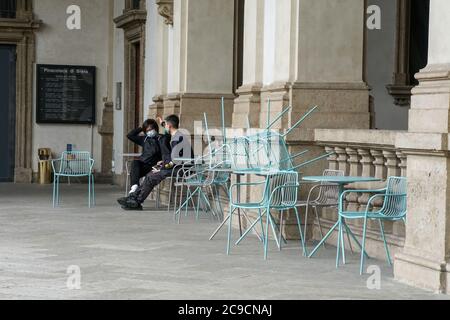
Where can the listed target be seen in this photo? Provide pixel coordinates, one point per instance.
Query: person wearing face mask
(146, 137)
(174, 145)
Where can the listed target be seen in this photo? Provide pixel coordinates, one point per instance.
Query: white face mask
(151, 134)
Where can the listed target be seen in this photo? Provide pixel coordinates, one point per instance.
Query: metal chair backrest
(329, 193)
(76, 163)
(239, 153)
(276, 153)
(283, 190)
(394, 205)
(265, 150)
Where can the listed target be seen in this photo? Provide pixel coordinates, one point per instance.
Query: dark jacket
(151, 150)
(166, 148)
(181, 146)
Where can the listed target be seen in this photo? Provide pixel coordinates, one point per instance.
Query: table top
(125, 155)
(340, 179)
(246, 172)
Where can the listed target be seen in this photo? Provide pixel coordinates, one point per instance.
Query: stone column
(280, 57)
(248, 103)
(329, 68)
(202, 64)
(159, 26)
(424, 261)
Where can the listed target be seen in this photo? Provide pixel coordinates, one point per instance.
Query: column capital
(165, 9)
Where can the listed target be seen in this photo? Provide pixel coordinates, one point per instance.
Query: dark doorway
(137, 86)
(7, 111)
(418, 45)
(239, 13)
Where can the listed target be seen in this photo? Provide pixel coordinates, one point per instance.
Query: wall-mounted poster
(65, 94)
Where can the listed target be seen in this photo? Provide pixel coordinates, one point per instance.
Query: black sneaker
(132, 203)
(122, 201)
(128, 208)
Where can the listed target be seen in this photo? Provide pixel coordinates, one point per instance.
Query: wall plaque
(65, 94)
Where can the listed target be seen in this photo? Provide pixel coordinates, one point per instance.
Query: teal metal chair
(73, 164)
(279, 193)
(393, 209)
(326, 195)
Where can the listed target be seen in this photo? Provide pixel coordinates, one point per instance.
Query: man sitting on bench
(148, 138)
(180, 147)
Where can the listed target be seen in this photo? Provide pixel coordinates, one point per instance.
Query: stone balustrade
(367, 153)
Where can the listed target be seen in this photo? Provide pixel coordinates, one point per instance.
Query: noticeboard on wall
(65, 94)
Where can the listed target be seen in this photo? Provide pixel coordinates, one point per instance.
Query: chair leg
(230, 221)
(190, 196)
(175, 199)
(280, 236)
(225, 220)
(266, 240)
(215, 202)
(349, 231)
(89, 191)
(386, 248)
(158, 196)
(181, 198)
(127, 180)
(252, 227)
(330, 232)
(185, 203)
(338, 249)
(54, 191)
(93, 191)
(169, 201)
(199, 199)
(349, 242)
(216, 193)
(363, 245)
(306, 219)
(57, 191)
(261, 223)
(274, 230)
(319, 223)
(302, 238)
(344, 260)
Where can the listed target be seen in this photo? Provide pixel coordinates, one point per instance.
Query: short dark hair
(174, 121)
(152, 124)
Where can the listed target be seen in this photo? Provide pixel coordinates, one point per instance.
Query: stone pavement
(145, 255)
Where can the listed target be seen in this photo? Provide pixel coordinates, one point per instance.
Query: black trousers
(151, 181)
(139, 169)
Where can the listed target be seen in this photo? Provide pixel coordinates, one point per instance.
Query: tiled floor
(145, 255)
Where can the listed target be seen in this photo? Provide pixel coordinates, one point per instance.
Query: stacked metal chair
(266, 154)
(202, 182)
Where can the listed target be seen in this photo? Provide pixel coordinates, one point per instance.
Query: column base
(23, 175)
(157, 108)
(279, 95)
(341, 105)
(422, 273)
(247, 106)
(191, 107)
